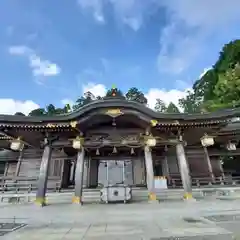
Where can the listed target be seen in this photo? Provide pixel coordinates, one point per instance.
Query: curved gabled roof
(123, 104)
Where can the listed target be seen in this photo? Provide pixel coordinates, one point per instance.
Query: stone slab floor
(205, 219)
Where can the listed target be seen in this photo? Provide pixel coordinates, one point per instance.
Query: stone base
(153, 201)
(189, 197)
(77, 200)
(41, 201)
(152, 197)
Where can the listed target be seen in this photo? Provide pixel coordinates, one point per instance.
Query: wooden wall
(198, 164)
(30, 165)
(135, 170)
(196, 161)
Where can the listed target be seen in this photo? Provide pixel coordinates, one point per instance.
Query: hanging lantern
(114, 150)
(165, 148)
(207, 141)
(17, 144)
(77, 143)
(97, 152)
(151, 142)
(231, 147)
(132, 151)
(235, 119)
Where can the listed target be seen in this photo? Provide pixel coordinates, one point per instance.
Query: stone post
(184, 171)
(43, 174)
(79, 177)
(150, 174)
(207, 158)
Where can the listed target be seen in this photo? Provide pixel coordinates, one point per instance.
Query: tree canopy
(219, 87)
(133, 94)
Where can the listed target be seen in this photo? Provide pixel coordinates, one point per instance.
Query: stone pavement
(216, 219)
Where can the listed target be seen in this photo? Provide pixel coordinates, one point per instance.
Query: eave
(162, 119)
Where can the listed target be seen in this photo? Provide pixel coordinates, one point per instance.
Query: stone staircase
(138, 195)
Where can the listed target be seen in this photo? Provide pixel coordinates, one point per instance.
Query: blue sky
(52, 51)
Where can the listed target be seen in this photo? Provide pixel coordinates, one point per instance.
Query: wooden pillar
(184, 171)
(150, 174)
(79, 177)
(43, 174)
(207, 158)
(19, 162)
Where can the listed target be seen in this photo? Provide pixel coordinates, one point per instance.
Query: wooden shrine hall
(74, 148)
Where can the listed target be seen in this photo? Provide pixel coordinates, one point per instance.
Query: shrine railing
(27, 184)
(198, 182)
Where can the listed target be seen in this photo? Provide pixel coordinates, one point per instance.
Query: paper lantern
(207, 141)
(17, 144)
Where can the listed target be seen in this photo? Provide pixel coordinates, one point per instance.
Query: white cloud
(95, 89)
(128, 12)
(134, 23)
(19, 50)
(67, 101)
(191, 22)
(39, 66)
(177, 49)
(203, 13)
(96, 7)
(43, 67)
(166, 96)
(11, 106)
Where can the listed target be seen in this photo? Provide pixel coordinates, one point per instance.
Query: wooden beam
(95, 144)
(211, 152)
(12, 138)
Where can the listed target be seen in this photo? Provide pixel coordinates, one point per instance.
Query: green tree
(50, 110)
(218, 87)
(172, 108)
(229, 56)
(19, 114)
(204, 87)
(191, 103)
(114, 93)
(136, 95)
(160, 106)
(61, 110)
(227, 90)
(37, 112)
(79, 103)
(87, 97)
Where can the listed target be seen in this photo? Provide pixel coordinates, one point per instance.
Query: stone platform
(204, 219)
